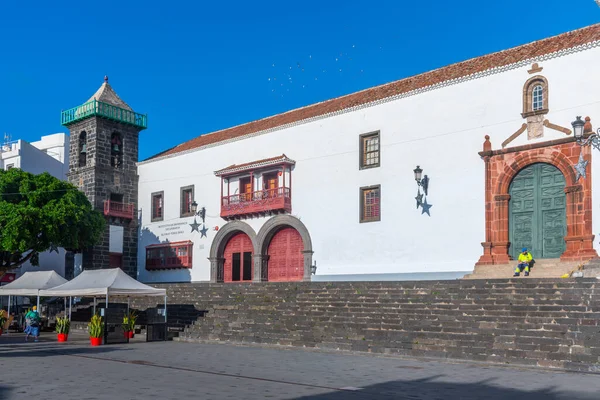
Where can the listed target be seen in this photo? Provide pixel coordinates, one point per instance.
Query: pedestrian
(525, 259)
(32, 324)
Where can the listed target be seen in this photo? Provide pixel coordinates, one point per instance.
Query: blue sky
(196, 66)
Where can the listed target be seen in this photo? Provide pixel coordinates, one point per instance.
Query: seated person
(525, 259)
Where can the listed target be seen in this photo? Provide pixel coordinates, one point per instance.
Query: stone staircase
(544, 268)
(536, 322)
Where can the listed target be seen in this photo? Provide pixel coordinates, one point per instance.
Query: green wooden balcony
(104, 110)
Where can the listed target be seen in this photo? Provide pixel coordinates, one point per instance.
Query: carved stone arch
(270, 228)
(220, 241)
(528, 88)
(554, 157)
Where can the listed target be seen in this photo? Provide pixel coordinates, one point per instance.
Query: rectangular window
(187, 198)
(157, 206)
(370, 206)
(369, 150)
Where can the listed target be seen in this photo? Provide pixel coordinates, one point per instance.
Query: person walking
(32, 322)
(525, 259)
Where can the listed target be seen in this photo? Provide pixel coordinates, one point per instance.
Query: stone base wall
(536, 322)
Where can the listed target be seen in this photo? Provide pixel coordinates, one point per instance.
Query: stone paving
(171, 370)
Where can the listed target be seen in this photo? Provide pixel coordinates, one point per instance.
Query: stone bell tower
(102, 163)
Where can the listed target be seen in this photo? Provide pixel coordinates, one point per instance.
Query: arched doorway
(537, 211)
(238, 258)
(285, 257)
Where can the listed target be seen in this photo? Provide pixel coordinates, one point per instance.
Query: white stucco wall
(441, 130)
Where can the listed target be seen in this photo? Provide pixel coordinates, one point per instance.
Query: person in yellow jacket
(525, 259)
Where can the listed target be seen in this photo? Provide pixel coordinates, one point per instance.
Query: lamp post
(201, 213)
(581, 129)
(422, 181)
(313, 268)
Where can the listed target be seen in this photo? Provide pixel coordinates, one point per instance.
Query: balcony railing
(105, 110)
(256, 203)
(121, 210)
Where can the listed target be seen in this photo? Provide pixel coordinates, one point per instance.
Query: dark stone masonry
(100, 181)
(537, 322)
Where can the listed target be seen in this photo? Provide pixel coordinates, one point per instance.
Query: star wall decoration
(203, 231)
(580, 167)
(195, 225)
(426, 208)
(419, 199)
(53, 247)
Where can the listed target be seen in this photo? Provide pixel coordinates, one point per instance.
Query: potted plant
(3, 319)
(62, 328)
(129, 324)
(96, 330)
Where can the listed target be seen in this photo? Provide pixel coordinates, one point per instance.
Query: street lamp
(581, 128)
(422, 181)
(313, 268)
(201, 213)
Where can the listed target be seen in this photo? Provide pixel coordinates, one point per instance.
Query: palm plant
(96, 327)
(63, 325)
(129, 321)
(3, 318)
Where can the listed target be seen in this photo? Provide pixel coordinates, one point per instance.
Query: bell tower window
(82, 149)
(116, 151)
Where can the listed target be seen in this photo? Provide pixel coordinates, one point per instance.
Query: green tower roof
(105, 103)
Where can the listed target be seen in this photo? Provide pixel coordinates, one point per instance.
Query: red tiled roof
(254, 164)
(454, 71)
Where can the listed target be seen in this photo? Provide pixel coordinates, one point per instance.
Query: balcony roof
(266, 162)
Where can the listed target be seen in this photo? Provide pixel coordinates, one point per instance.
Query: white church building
(330, 188)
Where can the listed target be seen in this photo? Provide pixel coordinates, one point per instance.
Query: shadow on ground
(4, 392)
(38, 350)
(434, 389)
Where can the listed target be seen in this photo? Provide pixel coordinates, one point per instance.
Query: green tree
(40, 212)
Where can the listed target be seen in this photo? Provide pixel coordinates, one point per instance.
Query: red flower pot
(62, 337)
(96, 341)
(130, 334)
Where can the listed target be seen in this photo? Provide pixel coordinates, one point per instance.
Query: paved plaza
(173, 370)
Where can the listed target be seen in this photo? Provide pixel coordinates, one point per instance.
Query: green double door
(537, 212)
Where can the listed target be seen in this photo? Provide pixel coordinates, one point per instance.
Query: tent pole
(38, 304)
(165, 309)
(70, 306)
(127, 305)
(94, 305)
(106, 300)
(8, 312)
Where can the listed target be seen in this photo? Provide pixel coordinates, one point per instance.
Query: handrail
(105, 110)
(256, 196)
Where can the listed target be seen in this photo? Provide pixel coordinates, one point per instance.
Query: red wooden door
(238, 254)
(271, 184)
(286, 261)
(245, 189)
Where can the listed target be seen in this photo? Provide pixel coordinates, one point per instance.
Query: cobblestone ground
(171, 370)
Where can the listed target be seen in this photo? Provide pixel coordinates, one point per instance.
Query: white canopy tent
(105, 283)
(31, 284)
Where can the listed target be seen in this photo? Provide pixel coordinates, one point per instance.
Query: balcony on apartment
(257, 188)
